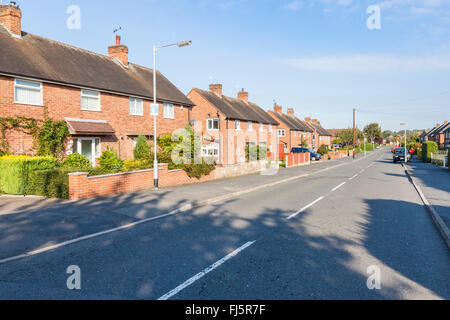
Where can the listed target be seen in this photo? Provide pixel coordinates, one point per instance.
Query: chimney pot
(117, 40)
(216, 88)
(278, 109)
(308, 119)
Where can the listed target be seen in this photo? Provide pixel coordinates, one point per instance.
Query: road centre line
(343, 183)
(307, 207)
(203, 273)
(353, 177)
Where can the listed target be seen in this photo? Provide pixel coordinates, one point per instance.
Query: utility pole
(354, 132)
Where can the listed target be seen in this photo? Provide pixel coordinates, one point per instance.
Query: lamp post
(406, 159)
(155, 105)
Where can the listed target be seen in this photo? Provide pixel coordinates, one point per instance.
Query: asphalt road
(314, 238)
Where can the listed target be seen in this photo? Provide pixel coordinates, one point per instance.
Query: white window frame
(16, 85)
(169, 115)
(282, 133)
(95, 153)
(211, 147)
(134, 111)
(99, 107)
(250, 126)
(212, 121)
(261, 127)
(237, 125)
(270, 128)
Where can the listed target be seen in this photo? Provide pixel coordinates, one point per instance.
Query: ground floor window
(210, 151)
(88, 147)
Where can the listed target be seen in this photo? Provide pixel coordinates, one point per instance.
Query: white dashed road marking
(338, 186)
(308, 206)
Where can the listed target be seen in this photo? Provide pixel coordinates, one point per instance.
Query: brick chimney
(307, 119)
(291, 112)
(119, 51)
(243, 95)
(278, 109)
(216, 88)
(315, 121)
(11, 18)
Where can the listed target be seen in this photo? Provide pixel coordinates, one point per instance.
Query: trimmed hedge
(50, 183)
(15, 172)
(428, 148)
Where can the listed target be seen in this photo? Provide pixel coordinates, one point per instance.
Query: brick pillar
(78, 186)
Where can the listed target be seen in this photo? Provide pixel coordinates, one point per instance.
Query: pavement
(434, 181)
(317, 237)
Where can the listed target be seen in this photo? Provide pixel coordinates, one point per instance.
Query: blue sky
(317, 56)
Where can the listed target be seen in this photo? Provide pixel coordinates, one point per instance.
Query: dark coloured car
(314, 156)
(399, 155)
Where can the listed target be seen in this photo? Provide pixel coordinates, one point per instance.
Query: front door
(88, 147)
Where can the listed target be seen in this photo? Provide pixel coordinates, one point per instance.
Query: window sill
(136, 115)
(91, 110)
(28, 104)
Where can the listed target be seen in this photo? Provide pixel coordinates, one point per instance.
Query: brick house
(105, 99)
(320, 135)
(447, 138)
(437, 134)
(291, 131)
(228, 125)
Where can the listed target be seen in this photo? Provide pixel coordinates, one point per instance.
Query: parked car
(394, 148)
(314, 156)
(399, 155)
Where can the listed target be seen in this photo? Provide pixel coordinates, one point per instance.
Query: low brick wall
(336, 155)
(81, 186)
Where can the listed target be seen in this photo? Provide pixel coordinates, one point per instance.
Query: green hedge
(15, 172)
(52, 183)
(428, 148)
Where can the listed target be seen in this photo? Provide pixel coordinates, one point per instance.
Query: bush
(323, 150)
(76, 160)
(142, 149)
(110, 162)
(50, 183)
(254, 153)
(15, 171)
(134, 165)
(199, 170)
(428, 148)
(418, 153)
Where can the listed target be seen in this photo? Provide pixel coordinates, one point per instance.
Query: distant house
(229, 125)
(292, 132)
(437, 134)
(320, 135)
(447, 138)
(104, 99)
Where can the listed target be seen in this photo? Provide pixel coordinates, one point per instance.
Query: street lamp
(404, 124)
(155, 105)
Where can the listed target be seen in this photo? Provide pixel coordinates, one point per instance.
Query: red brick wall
(293, 138)
(10, 17)
(83, 187)
(62, 102)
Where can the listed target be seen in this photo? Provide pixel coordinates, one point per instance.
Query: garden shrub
(110, 162)
(199, 170)
(134, 165)
(76, 160)
(15, 171)
(323, 150)
(142, 149)
(428, 147)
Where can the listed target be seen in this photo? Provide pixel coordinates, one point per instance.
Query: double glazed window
(282, 133)
(210, 151)
(270, 128)
(169, 111)
(261, 127)
(212, 124)
(28, 92)
(90, 100)
(250, 126)
(237, 125)
(136, 107)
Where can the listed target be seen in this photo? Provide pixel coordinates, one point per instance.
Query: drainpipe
(226, 147)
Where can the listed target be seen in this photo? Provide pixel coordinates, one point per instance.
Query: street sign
(154, 109)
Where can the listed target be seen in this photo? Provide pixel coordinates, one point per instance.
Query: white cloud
(365, 63)
(294, 5)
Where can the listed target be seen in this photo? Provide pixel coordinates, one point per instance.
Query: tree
(387, 134)
(346, 136)
(373, 131)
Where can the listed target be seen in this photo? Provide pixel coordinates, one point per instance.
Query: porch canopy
(82, 127)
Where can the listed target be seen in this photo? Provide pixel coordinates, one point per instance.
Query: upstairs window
(237, 125)
(212, 124)
(270, 128)
(261, 127)
(169, 111)
(250, 126)
(90, 100)
(136, 107)
(282, 133)
(28, 92)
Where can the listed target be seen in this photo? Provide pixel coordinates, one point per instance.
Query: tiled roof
(293, 123)
(47, 60)
(237, 109)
